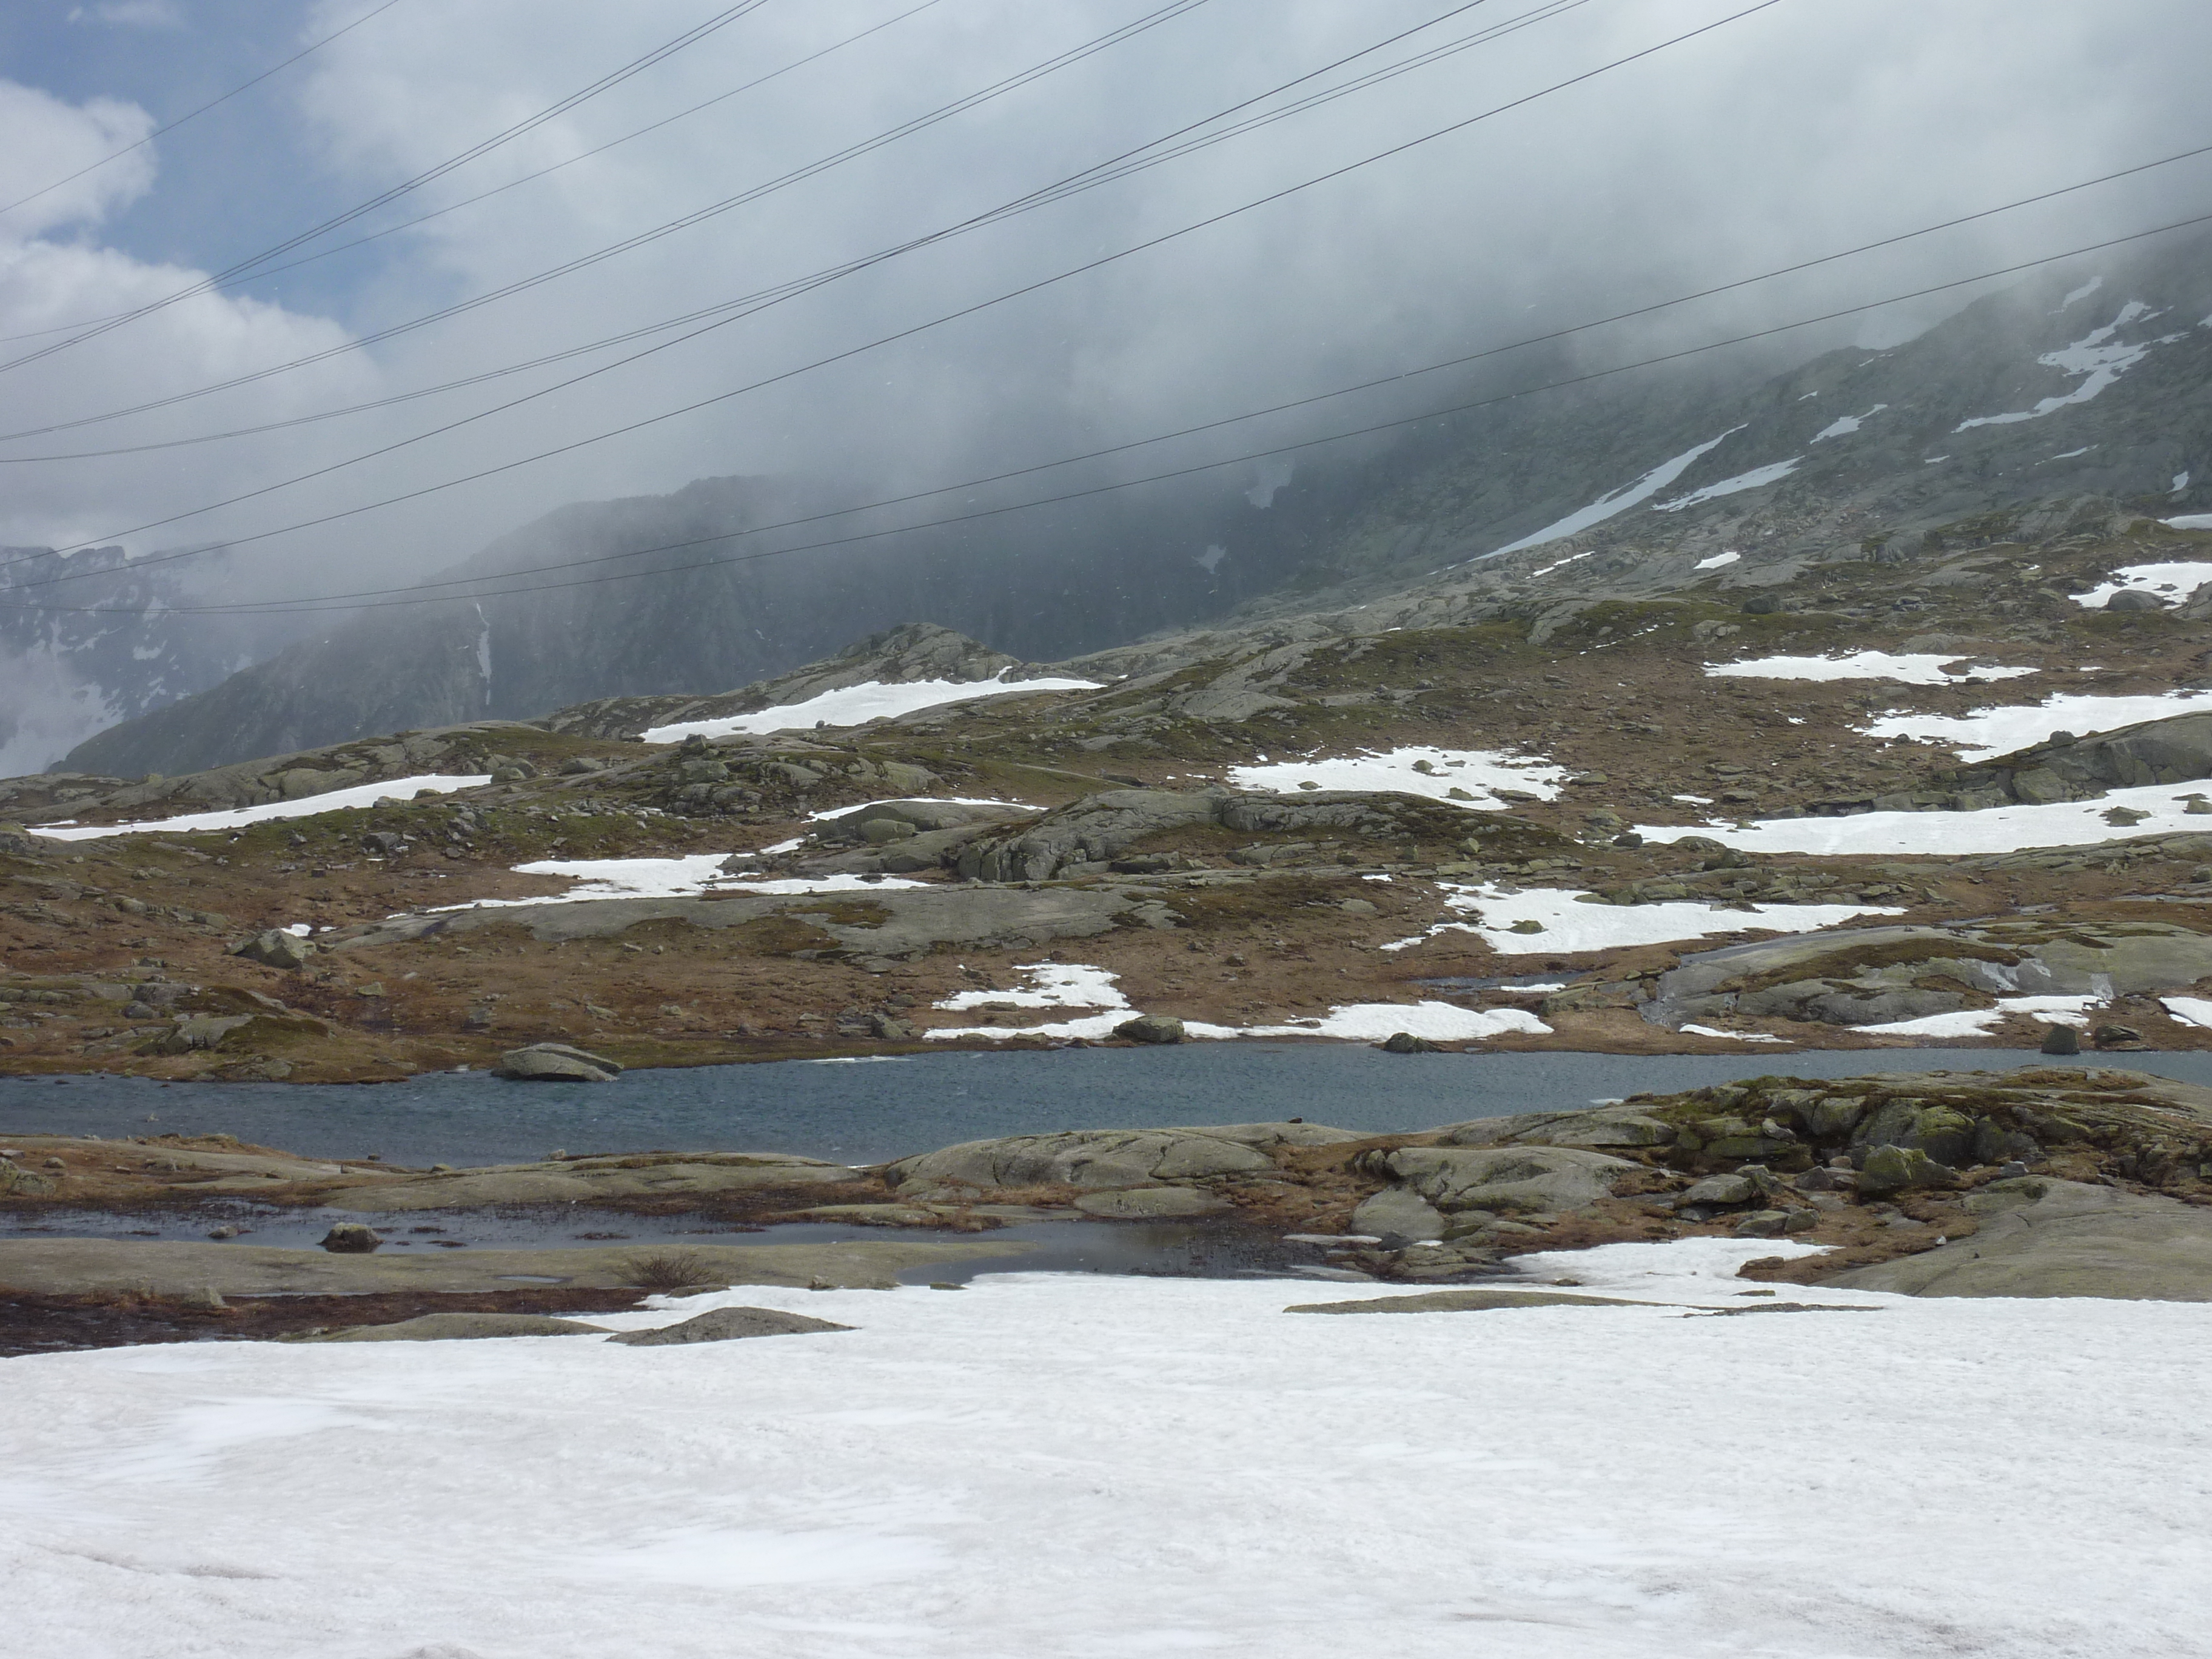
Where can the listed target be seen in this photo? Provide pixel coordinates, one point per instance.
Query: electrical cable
(1107, 259)
(326, 604)
(1452, 362)
(614, 78)
(527, 178)
(160, 131)
(783, 290)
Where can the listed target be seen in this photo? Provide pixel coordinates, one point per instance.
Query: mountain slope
(2081, 385)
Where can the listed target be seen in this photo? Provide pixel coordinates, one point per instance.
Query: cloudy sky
(1797, 129)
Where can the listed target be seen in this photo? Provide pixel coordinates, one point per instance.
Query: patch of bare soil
(54, 1324)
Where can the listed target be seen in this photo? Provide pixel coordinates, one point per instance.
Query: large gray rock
(1102, 827)
(1097, 827)
(1274, 1135)
(1505, 1179)
(728, 1325)
(1097, 1160)
(1150, 1027)
(2174, 750)
(900, 923)
(275, 949)
(1486, 1299)
(555, 1062)
(462, 1328)
(1592, 1126)
(1399, 1210)
(2046, 1237)
(1872, 976)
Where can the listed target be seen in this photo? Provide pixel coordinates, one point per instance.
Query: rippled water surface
(870, 1110)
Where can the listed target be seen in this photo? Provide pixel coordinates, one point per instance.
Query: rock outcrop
(728, 1325)
(463, 1327)
(1872, 976)
(556, 1062)
(2045, 1236)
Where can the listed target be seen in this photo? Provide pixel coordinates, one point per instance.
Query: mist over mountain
(2089, 380)
(127, 651)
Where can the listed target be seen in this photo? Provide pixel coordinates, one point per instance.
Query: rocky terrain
(762, 893)
(2062, 1182)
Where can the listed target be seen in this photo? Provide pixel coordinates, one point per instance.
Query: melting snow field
(1987, 732)
(856, 705)
(684, 877)
(1918, 670)
(2173, 582)
(1564, 926)
(1991, 829)
(1978, 1022)
(307, 806)
(1474, 774)
(1619, 501)
(2094, 357)
(1068, 1467)
(1070, 985)
(1756, 478)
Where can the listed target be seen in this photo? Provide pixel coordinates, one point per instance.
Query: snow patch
(1717, 562)
(684, 877)
(1477, 773)
(1620, 501)
(2189, 521)
(1754, 479)
(1545, 570)
(2190, 1010)
(1978, 1022)
(1913, 669)
(1843, 425)
(1733, 1036)
(307, 806)
(2093, 356)
(1057, 1465)
(1567, 926)
(2176, 579)
(856, 705)
(1052, 985)
(2081, 292)
(1991, 829)
(1987, 732)
(1058, 985)
(828, 812)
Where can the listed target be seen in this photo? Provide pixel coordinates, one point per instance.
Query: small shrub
(668, 1270)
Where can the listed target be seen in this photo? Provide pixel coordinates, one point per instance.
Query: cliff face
(122, 648)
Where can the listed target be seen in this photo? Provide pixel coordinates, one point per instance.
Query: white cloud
(55, 275)
(1512, 226)
(131, 14)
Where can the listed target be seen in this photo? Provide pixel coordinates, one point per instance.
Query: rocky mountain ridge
(2074, 399)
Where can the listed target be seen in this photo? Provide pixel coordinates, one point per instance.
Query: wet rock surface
(2035, 1181)
(728, 1325)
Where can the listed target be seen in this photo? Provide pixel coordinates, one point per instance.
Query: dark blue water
(869, 1111)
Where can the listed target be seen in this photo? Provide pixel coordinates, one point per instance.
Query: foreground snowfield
(1047, 1465)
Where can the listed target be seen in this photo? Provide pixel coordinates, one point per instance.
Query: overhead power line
(637, 66)
(755, 192)
(1397, 377)
(1454, 363)
(193, 115)
(1339, 172)
(481, 590)
(512, 184)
